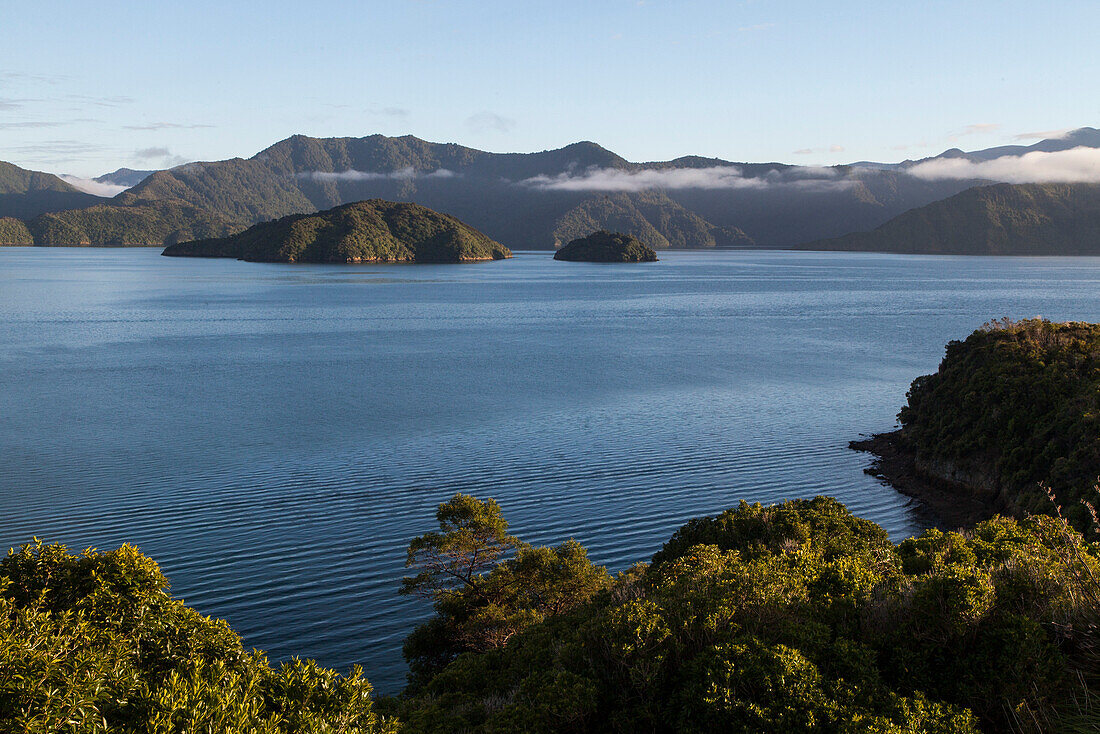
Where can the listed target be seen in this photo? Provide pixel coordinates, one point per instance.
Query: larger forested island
(366, 231)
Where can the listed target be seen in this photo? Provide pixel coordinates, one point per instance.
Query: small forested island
(607, 247)
(1012, 414)
(366, 231)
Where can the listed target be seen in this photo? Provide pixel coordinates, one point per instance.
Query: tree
(487, 585)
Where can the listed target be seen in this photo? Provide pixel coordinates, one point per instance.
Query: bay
(274, 435)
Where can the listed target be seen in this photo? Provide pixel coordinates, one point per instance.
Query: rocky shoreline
(954, 504)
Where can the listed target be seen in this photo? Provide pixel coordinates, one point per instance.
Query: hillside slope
(1002, 219)
(25, 194)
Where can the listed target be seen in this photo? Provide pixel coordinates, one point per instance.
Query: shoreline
(953, 504)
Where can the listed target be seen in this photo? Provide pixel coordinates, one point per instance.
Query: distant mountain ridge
(124, 177)
(523, 200)
(533, 200)
(1087, 137)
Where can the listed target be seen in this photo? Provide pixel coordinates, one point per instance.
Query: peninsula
(1010, 414)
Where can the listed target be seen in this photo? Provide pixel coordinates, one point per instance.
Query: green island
(796, 617)
(607, 247)
(366, 231)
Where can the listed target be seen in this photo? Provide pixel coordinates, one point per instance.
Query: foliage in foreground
(94, 643)
(797, 617)
(1014, 405)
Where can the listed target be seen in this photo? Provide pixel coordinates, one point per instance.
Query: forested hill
(366, 231)
(1014, 405)
(26, 194)
(1002, 219)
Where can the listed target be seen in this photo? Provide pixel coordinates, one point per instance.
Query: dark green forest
(1003, 219)
(1012, 412)
(606, 247)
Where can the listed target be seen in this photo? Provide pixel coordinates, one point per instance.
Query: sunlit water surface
(274, 435)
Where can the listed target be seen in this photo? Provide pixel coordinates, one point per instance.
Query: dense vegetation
(367, 231)
(119, 226)
(795, 617)
(25, 194)
(94, 643)
(1014, 405)
(14, 232)
(651, 216)
(606, 247)
(1004, 219)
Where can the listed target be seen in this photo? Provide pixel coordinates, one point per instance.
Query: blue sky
(86, 87)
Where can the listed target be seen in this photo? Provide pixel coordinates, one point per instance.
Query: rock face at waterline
(607, 247)
(366, 231)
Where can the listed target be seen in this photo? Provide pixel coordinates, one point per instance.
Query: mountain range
(523, 200)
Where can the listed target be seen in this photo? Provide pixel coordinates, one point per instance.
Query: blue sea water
(274, 435)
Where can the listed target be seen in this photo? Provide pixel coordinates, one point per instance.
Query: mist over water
(274, 435)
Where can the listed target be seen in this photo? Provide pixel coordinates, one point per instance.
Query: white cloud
(353, 175)
(981, 128)
(159, 153)
(716, 177)
(90, 186)
(834, 148)
(1042, 134)
(484, 122)
(1077, 165)
(166, 126)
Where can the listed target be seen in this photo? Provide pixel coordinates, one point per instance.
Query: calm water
(274, 435)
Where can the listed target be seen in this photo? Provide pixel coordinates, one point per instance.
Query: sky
(87, 87)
